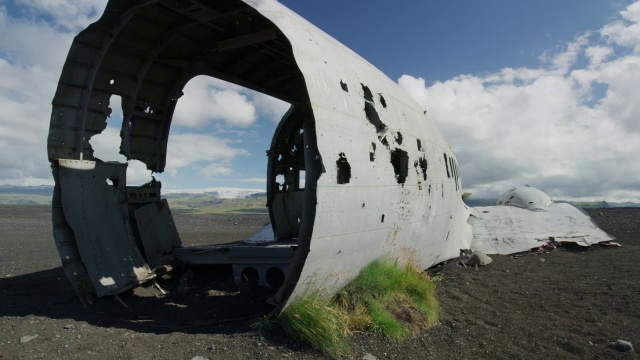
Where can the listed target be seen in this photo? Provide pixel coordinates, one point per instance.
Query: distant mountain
(25, 195)
(219, 193)
(222, 193)
(590, 204)
(480, 202)
(214, 200)
(224, 199)
(44, 190)
(218, 200)
(624, 204)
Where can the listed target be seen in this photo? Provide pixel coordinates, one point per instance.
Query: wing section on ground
(528, 221)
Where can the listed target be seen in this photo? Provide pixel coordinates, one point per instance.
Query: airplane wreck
(366, 172)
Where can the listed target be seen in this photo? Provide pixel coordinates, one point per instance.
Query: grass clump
(316, 321)
(400, 300)
(387, 298)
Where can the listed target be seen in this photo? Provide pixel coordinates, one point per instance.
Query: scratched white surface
(424, 220)
(508, 229)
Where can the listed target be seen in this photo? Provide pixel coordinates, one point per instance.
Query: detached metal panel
(509, 229)
(98, 215)
(158, 232)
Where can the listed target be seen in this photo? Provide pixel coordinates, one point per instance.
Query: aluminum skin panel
(98, 215)
(427, 226)
(158, 232)
(508, 229)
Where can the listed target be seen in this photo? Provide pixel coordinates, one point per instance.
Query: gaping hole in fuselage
(218, 139)
(221, 202)
(205, 135)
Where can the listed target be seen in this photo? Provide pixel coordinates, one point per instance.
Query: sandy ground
(563, 304)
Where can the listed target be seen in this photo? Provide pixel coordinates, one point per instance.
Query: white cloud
(626, 31)
(31, 60)
(204, 150)
(208, 100)
(211, 154)
(265, 105)
(270, 107)
(563, 57)
(106, 147)
(46, 49)
(597, 54)
(25, 95)
(204, 103)
(215, 169)
(32, 52)
(253, 179)
(548, 127)
(72, 15)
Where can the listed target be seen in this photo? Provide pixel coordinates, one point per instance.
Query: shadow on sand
(211, 304)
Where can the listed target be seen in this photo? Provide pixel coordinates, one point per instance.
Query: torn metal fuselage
(356, 170)
(526, 218)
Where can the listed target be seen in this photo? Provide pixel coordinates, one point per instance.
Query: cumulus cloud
(216, 169)
(208, 100)
(106, 147)
(549, 127)
(28, 75)
(213, 154)
(210, 154)
(270, 107)
(597, 54)
(71, 15)
(28, 79)
(265, 105)
(205, 102)
(625, 32)
(253, 179)
(568, 128)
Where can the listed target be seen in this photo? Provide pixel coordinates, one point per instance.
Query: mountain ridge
(206, 197)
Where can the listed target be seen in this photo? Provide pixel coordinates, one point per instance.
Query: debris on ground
(478, 258)
(27, 338)
(621, 345)
(610, 243)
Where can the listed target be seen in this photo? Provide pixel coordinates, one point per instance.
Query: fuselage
(357, 170)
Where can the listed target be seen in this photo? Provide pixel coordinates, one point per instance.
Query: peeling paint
(107, 281)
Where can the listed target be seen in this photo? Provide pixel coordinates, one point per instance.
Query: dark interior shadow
(198, 300)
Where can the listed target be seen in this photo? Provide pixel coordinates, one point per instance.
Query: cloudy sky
(540, 92)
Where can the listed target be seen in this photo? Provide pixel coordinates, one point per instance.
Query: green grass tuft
(315, 321)
(384, 323)
(396, 301)
(401, 300)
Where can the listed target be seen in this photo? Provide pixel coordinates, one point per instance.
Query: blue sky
(539, 92)
(442, 39)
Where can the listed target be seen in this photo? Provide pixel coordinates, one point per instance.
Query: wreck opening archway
(146, 53)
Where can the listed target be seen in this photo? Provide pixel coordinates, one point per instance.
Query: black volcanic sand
(563, 304)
